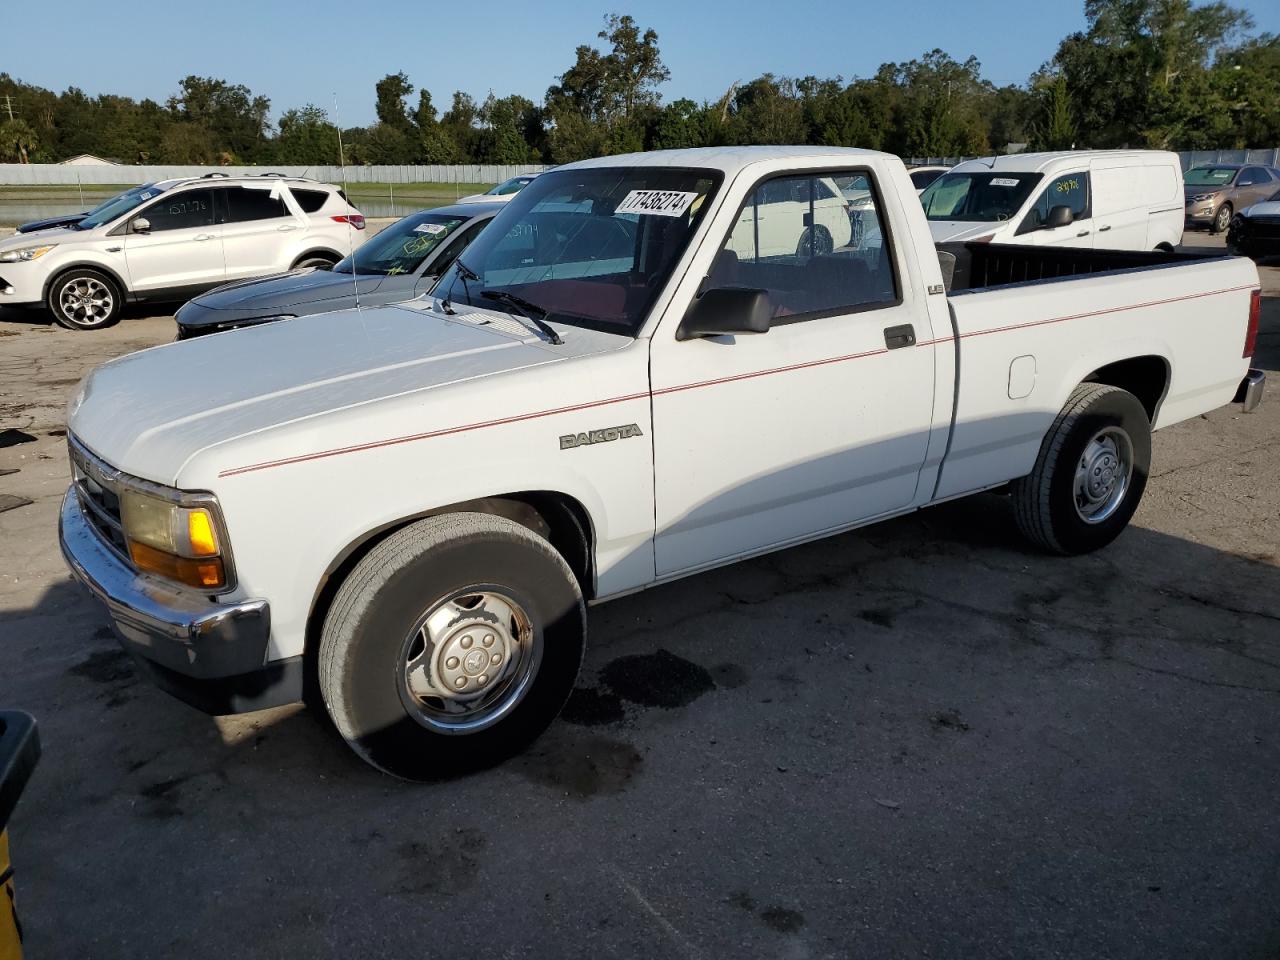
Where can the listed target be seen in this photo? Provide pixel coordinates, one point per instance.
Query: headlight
(26, 253)
(177, 542)
(1202, 197)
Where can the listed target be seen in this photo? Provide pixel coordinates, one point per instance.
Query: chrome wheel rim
(86, 302)
(1103, 475)
(1222, 219)
(469, 660)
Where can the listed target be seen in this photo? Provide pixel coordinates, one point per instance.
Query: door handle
(901, 336)
(1103, 229)
(284, 227)
(1083, 233)
(203, 236)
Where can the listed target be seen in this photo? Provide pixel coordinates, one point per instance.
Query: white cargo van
(1103, 199)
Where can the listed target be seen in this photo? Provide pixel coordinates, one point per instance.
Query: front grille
(99, 496)
(1264, 228)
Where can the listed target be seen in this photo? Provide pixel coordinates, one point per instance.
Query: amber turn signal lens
(204, 543)
(205, 574)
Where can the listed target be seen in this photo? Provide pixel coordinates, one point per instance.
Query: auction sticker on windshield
(1003, 182)
(431, 228)
(657, 203)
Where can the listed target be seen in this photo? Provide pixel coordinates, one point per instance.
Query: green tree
(18, 141)
(390, 93)
(307, 137)
(1057, 128)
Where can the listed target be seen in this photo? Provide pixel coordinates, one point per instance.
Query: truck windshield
(1209, 176)
(982, 197)
(119, 205)
(401, 247)
(591, 247)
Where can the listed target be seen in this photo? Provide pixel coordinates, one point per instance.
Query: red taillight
(1251, 332)
(355, 219)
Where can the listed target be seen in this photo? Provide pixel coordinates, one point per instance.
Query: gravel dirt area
(919, 739)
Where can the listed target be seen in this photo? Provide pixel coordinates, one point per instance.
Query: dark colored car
(1255, 230)
(1215, 192)
(399, 263)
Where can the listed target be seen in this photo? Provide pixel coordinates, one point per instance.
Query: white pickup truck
(405, 510)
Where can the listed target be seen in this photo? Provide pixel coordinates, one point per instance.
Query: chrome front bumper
(178, 629)
(1251, 389)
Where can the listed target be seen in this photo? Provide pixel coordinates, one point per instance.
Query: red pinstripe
(394, 441)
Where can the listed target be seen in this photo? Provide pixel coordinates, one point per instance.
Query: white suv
(175, 239)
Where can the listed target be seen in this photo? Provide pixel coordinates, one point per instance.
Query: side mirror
(140, 225)
(726, 310)
(1060, 216)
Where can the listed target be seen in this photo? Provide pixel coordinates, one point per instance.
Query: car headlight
(1202, 197)
(26, 253)
(173, 541)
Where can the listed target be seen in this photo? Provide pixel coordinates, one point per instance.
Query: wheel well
(558, 518)
(318, 252)
(107, 271)
(1147, 378)
(1165, 246)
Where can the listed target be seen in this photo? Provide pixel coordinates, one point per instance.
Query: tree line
(1167, 74)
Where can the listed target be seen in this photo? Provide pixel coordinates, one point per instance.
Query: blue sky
(298, 53)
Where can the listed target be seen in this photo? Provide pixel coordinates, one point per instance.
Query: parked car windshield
(514, 185)
(983, 197)
(592, 247)
(119, 205)
(1209, 176)
(401, 247)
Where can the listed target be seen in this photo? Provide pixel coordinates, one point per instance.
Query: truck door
(817, 424)
(1120, 204)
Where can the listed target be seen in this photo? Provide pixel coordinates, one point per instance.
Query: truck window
(815, 242)
(985, 196)
(1069, 190)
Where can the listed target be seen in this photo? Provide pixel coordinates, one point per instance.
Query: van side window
(815, 242)
(1069, 190)
(180, 211)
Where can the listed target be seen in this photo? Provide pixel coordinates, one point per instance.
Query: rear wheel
(84, 299)
(451, 645)
(1090, 474)
(814, 242)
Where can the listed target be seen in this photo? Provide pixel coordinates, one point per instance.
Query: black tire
(369, 635)
(1221, 219)
(821, 246)
(84, 299)
(1045, 501)
(321, 261)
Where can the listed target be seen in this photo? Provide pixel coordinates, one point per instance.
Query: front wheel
(84, 299)
(1222, 219)
(451, 645)
(319, 261)
(1090, 474)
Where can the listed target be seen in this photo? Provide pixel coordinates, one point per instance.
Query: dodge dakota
(402, 513)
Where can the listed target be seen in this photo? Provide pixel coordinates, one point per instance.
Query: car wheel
(451, 645)
(814, 242)
(1090, 474)
(84, 299)
(319, 261)
(1222, 219)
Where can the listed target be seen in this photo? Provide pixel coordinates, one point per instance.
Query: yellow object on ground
(10, 932)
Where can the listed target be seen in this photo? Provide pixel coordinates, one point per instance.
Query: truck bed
(1025, 333)
(983, 265)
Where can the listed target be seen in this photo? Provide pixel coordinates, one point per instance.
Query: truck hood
(272, 294)
(957, 231)
(148, 413)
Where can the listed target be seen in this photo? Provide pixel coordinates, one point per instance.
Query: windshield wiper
(532, 312)
(466, 271)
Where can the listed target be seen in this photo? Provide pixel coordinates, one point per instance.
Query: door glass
(1251, 176)
(1070, 190)
(815, 243)
(455, 248)
(180, 211)
(252, 203)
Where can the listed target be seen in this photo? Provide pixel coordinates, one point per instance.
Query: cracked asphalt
(920, 739)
